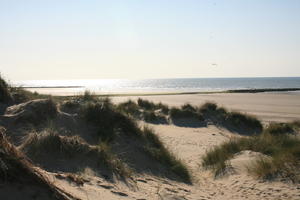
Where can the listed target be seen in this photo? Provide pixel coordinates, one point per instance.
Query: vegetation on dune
(282, 148)
(153, 117)
(145, 104)
(108, 120)
(282, 128)
(158, 151)
(49, 143)
(185, 112)
(20, 95)
(5, 96)
(33, 112)
(145, 110)
(208, 112)
(87, 96)
(234, 121)
(16, 95)
(111, 122)
(151, 106)
(131, 108)
(16, 168)
(239, 121)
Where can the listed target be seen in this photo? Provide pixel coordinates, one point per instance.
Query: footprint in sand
(171, 190)
(183, 189)
(106, 186)
(141, 180)
(119, 193)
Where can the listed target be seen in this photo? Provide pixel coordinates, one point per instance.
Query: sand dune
(189, 144)
(279, 106)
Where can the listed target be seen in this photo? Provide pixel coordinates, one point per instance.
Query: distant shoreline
(49, 87)
(173, 93)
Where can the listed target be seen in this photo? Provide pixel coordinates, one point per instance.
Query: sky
(137, 39)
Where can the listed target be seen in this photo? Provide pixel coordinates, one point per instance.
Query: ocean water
(165, 85)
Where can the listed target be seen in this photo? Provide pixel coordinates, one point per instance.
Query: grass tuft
(240, 121)
(280, 128)
(176, 113)
(130, 107)
(283, 150)
(49, 143)
(234, 121)
(145, 104)
(5, 95)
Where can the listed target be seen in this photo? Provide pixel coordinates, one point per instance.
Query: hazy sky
(60, 39)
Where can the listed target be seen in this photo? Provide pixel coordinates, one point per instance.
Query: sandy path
(191, 143)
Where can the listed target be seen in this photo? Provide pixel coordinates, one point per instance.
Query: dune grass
(240, 120)
(16, 168)
(281, 128)
(5, 96)
(130, 107)
(185, 112)
(158, 151)
(15, 95)
(108, 120)
(145, 104)
(235, 121)
(283, 150)
(49, 143)
(87, 96)
(112, 123)
(153, 117)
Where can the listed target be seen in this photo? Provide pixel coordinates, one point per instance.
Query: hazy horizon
(48, 40)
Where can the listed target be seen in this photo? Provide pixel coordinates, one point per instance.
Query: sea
(174, 85)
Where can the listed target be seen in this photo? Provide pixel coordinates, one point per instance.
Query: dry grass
(15, 167)
(5, 96)
(234, 121)
(52, 145)
(282, 148)
(158, 151)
